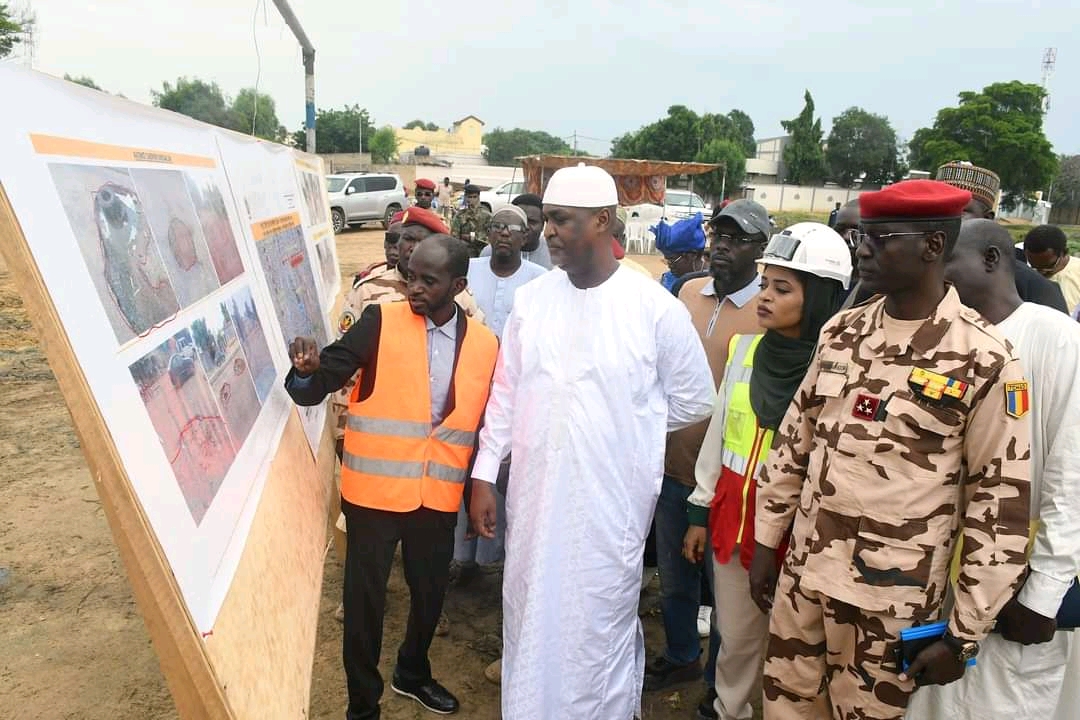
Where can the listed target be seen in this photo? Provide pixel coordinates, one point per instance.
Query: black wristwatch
(965, 650)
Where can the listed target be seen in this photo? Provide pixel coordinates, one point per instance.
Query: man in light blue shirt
(494, 278)
(535, 248)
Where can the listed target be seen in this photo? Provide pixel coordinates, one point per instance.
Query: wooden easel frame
(257, 661)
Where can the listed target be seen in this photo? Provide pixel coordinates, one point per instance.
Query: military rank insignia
(1017, 399)
(866, 407)
(934, 386)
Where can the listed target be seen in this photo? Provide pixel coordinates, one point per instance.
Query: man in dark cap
(425, 193)
(473, 223)
(907, 435)
(720, 306)
(984, 186)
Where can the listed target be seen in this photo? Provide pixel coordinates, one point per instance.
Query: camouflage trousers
(339, 406)
(828, 659)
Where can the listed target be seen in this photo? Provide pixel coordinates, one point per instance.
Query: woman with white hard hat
(805, 271)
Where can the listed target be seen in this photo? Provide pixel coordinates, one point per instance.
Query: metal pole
(309, 69)
(723, 183)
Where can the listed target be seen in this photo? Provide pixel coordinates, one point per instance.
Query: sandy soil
(74, 645)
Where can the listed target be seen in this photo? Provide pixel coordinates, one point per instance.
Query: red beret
(426, 218)
(396, 217)
(913, 200)
(424, 184)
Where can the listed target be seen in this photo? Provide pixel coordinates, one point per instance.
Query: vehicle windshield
(335, 184)
(676, 198)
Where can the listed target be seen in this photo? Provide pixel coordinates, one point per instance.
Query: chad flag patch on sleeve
(1017, 399)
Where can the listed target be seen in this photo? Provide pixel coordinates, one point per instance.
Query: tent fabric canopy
(638, 181)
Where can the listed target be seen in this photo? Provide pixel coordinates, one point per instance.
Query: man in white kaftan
(1021, 671)
(597, 364)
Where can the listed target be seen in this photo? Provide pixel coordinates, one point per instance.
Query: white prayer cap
(584, 186)
(514, 210)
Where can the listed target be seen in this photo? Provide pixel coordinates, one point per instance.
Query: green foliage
(505, 145)
(787, 218)
(83, 80)
(338, 131)
(420, 125)
(729, 154)
(803, 155)
(999, 128)
(197, 99)
(10, 28)
(1066, 187)
(382, 145)
(683, 134)
(861, 142)
(244, 115)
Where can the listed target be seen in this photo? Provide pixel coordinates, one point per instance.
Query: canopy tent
(638, 181)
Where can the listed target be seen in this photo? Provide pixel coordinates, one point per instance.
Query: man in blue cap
(683, 247)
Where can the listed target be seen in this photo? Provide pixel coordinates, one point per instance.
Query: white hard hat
(813, 248)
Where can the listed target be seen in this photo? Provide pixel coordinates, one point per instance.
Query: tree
(728, 153)
(338, 131)
(253, 114)
(861, 143)
(10, 29)
(383, 145)
(197, 99)
(999, 128)
(83, 80)
(683, 134)
(421, 125)
(505, 145)
(803, 155)
(1066, 187)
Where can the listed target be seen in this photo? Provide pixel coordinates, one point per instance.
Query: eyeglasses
(734, 239)
(392, 238)
(499, 227)
(861, 237)
(671, 260)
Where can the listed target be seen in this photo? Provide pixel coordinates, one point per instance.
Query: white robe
(1012, 681)
(587, 386)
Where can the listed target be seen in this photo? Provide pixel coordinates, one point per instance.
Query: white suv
(364, 197)
(680, 204)
(499, 197)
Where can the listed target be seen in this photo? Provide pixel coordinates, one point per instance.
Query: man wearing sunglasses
(908, 436)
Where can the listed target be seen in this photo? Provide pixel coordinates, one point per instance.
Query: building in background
(462, 142)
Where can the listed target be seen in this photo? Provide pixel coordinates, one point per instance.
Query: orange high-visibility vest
(393, 459)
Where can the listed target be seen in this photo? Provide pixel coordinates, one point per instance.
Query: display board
(167, 264)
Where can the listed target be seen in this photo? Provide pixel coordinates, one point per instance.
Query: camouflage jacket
(889, 453)
(382, 286)
(472, 220)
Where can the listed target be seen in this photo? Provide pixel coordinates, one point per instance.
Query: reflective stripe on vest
(393, 458)
(746, 444)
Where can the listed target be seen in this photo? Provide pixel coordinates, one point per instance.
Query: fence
(776, 198)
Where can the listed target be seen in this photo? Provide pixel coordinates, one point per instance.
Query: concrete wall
(346, 162)
(799, 197)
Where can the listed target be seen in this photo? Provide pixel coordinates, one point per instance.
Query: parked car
(364, 197)
(679, 204)
(181, 369)
(499, 197)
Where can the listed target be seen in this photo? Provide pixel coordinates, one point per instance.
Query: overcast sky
(597, 67)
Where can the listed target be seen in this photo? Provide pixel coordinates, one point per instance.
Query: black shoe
(707, 709)
(661, 673)
(431, 695)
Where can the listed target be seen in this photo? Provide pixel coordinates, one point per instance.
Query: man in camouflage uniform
(472, 223)
(904, 437)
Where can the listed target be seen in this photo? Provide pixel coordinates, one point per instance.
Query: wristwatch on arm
(965, 650)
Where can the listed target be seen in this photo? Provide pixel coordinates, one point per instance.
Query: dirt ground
(73, 644)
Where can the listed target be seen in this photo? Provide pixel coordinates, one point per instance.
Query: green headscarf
(780, 363)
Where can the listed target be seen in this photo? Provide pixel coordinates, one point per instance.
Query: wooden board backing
(257, 661)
